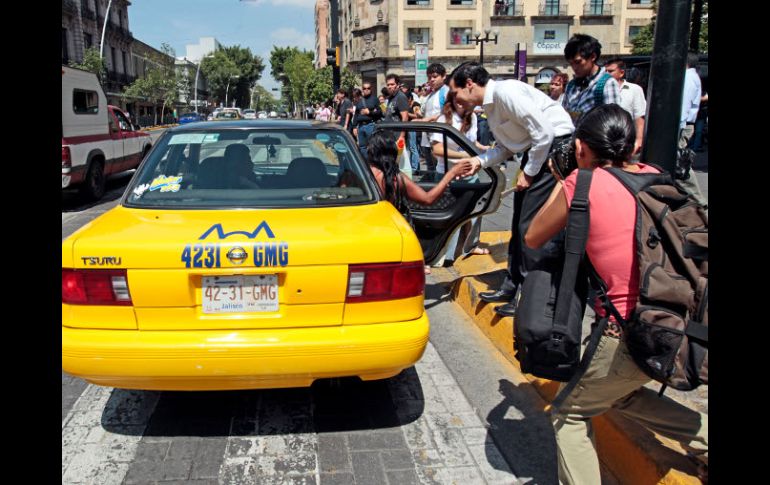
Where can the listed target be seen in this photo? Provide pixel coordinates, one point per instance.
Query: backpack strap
(599, 89)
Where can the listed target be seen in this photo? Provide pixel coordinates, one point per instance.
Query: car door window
(123, 121)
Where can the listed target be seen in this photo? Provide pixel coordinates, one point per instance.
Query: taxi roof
(268, 124)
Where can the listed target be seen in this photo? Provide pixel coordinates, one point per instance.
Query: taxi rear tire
(94, 183)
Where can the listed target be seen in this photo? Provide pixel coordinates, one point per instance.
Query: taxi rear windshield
(251, 168)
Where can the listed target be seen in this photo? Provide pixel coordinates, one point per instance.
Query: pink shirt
(611, 242)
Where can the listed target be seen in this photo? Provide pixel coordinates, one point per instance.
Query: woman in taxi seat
(382, 153)
(239, 169)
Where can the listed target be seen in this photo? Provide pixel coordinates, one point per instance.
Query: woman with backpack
(605, 138)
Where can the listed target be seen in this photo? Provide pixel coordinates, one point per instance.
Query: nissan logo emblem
(237, 255)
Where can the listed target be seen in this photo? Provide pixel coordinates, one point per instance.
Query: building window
(508, 7)
(594, 7)
(641, 2)
(633, 31)
(418, 3)
(461, 2)
(125, 62)
(114, 59)
(415, 35)
(457, 36)
(88, 39)
(65, 58)
(551, 7)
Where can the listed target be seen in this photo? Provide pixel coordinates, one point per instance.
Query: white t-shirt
(632, 99)
(432, 107)
(457, 122)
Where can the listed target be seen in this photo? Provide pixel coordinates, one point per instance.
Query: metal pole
(227, 89)
(697, 13)
(481, 58)
(664, 93)
(197, 72)
(104, 29)
(334, 5)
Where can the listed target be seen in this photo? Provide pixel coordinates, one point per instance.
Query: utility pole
(664, 94)
(697, 13)
(336, 44)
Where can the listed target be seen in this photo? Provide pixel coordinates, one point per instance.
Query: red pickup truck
(97, 139)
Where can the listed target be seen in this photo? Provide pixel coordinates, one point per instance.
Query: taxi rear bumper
(241, 359)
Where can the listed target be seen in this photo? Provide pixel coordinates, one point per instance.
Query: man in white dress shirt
(690, 104)
(631, 98)
(523, 119)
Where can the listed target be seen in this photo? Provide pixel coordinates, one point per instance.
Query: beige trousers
(691, 185)
(614, 381)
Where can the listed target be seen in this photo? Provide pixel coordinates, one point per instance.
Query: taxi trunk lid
(296, 259)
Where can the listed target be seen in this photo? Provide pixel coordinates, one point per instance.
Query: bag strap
(574, 249)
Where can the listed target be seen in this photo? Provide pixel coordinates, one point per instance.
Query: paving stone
(238, 471)
(427, 458)
(333, 453)
(287, 480)
(376, 440)
(491, 463)
(454, 399)
(459, 476)
(402, 477)
(343, 478)
(418, 434)
(143, 471)
(182, 449)
(476, 436)
(442, 421)
(268, 465)
(152, 451)
(397, 459)
(211, 449)
(452, 448)
(367, 468)
(428, 475)
(239, 447)
(284, 445)
(206, 468)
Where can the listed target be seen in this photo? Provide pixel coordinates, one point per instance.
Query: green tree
(297, 70)
(92, 62)
(161, 82)
(319, 85)
(643, 42)
(233, 69)
(262, 99)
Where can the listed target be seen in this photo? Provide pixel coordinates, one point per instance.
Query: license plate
(237, 294)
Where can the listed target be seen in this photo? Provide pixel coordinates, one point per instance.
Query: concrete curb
(629, 451)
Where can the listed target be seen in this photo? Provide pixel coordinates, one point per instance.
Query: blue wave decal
(251, 235)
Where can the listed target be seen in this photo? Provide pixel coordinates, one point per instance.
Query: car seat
(305, 172)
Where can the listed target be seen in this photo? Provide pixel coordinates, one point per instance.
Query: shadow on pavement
(522, 433)
(72, 201)
(329, 405)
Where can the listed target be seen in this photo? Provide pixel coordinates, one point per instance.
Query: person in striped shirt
(592, 85)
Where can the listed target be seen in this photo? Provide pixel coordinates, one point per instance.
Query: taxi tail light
(66, 158)
(95, 287)
(389, 281)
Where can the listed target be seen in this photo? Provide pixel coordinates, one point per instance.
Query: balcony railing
(597, 9)
(508, 9)
(87, 13)
(552, 9)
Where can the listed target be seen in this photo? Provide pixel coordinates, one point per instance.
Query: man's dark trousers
(526, 204)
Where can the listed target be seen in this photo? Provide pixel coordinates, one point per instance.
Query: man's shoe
(507, 310)
(497, 296)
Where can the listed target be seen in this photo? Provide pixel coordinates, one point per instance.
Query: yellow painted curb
(632, 453)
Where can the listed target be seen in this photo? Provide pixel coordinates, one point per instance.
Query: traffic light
(333, 57)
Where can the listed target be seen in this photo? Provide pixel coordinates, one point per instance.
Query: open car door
(462, 201)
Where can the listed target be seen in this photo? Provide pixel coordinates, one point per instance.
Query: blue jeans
(414, 154)
(364, 133)
(696, 143)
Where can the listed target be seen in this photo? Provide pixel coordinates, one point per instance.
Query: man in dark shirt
(398, 105)
(368, 112)
(344, 117)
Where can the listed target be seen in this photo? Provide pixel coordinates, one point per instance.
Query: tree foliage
(643, 42)
(233, 69)
(319, 85)
(161, 82)
(262, 99)
(92, 62)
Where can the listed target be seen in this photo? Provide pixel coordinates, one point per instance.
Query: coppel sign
(550, 39)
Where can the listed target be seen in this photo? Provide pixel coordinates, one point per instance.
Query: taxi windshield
(232, 168)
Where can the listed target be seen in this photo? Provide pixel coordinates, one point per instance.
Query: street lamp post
(478, 39)
(104, 29)
(197, 73)
(227, 89)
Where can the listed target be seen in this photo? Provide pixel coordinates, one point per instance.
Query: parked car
(273, 114)
(97, 139)
(262, 115)
(249, 114)
(190, 118)
(256, 254)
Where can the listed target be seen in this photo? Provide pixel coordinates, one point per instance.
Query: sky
(256, 24)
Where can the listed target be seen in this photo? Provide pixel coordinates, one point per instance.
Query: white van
(97, 139)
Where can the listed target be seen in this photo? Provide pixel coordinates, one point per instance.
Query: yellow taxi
(256, 254)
